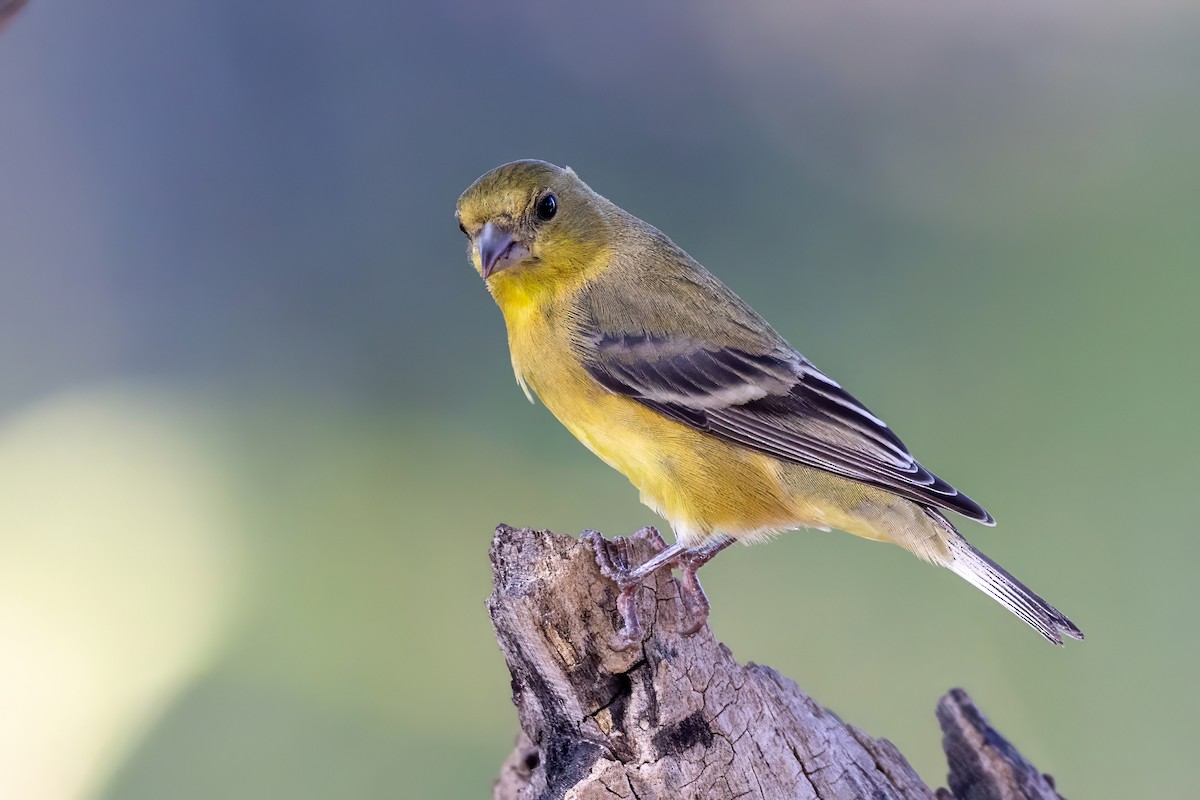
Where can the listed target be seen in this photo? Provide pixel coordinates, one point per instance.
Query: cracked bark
(679, 718)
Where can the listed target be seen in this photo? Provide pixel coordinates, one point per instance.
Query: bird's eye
(463, 228)
(547, 207)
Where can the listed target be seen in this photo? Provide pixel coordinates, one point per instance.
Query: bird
(724, 428)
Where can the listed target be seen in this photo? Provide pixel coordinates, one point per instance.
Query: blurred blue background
(257, 419)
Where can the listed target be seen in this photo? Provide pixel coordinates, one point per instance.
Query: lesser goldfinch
(664, 373)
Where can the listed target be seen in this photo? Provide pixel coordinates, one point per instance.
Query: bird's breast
(699, 483)
(544, 360)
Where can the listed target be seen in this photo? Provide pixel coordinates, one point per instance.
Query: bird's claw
(612, 557)
(691, 594)
(651, 536)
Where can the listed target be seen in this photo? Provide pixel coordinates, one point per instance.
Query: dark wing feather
(774, 402)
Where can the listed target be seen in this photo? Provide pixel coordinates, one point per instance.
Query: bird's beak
(498, 250)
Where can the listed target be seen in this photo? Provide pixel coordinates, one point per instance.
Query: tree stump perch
(678, 718)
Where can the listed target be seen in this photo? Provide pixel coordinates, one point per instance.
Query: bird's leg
(613, 560)
(651, 535)
(613, 556)
(690, 590)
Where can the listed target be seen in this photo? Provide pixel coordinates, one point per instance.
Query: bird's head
(533, 226)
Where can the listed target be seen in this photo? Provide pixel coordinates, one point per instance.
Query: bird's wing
(753, 390)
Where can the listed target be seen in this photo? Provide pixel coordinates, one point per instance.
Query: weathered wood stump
(678, 718)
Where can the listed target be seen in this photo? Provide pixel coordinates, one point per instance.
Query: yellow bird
(664, 373)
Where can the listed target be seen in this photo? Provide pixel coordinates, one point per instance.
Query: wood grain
(679, 717)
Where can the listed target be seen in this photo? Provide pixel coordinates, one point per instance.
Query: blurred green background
(257, 419)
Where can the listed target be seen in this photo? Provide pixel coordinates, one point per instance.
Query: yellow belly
(703, 486)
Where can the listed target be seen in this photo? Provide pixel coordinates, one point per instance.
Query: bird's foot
(613, 559)
(612, 556)
(691, 593)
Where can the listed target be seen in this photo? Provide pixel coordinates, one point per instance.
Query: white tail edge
(991, 579)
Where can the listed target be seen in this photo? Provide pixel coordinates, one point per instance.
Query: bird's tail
(990, 578)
